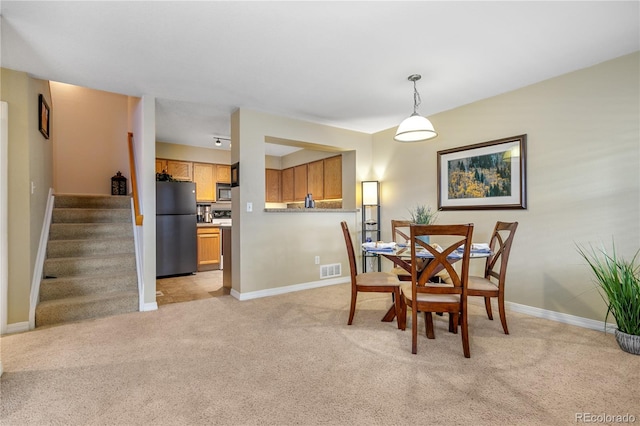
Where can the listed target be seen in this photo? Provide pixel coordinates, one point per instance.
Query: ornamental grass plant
(618, 282)
(423, 215)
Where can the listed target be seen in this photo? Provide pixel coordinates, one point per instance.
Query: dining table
(400, 255)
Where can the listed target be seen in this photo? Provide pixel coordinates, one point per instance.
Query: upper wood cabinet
(287, 185)
(180, 170)
(300, 182)
(223, 173)
(315, 179)
(273, 185)
(333, 177)
(161, 165)
(204, 177)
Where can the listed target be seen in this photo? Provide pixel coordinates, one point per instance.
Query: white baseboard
(515, 307)
(288, 289)
(18, 327)
(145, 307)
(559, 317)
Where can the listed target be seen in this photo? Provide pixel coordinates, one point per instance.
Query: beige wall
(278, 249)
(90, 128)
(583, 180)
(174, 151)
(29, 160)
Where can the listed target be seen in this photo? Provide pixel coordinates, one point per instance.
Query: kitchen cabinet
(333, 177)
(273, 185)
(287, 185)
(204, 177)
(300, 182)
(180, 170)
(223, 173)
(208, 248)
(315, 179)
(161, 165)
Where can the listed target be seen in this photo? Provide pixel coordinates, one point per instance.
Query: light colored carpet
(293, 360)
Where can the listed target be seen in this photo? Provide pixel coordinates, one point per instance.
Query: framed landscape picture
(488, 175)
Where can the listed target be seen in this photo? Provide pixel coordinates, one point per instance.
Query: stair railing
(134, 183)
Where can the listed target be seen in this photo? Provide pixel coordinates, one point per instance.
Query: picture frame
(44, 116)
(235, 174)
(487, 175)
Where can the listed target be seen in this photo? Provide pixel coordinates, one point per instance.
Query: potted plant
(618, 282)
(423, 215)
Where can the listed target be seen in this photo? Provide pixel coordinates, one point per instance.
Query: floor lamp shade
(370, 193)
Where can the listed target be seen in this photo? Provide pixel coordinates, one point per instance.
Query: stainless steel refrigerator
(176, 244)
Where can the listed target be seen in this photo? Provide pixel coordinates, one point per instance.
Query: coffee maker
(203, 213)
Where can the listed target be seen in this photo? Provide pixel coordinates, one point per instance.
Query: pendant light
(416, 128)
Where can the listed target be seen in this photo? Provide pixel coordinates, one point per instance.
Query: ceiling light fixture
(416, 128)
(217, 142)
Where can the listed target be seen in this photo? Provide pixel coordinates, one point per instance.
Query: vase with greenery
(618, 282)
(423, 215)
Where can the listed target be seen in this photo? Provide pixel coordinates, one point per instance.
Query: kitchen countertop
(214, 224)
(315, 210)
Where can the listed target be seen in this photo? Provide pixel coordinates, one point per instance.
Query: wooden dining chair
(496, 269)
(377, 282)
(400, 233)
(428, 297)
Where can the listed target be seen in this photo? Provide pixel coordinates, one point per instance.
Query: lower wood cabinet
(208, 248)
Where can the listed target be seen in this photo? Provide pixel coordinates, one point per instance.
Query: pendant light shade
(416, 128)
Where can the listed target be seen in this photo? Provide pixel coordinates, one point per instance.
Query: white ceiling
(343, 64)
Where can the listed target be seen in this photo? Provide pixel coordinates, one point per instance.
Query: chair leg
(454, 319)
(414, 331)
(396, 302)
(487, 305)
(503, 314)
(428, 321)
(402, 313)
(465, 336)
(354, 296)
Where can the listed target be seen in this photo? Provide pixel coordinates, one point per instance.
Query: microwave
(223, 192)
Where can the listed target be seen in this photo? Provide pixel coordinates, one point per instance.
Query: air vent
(330, 271)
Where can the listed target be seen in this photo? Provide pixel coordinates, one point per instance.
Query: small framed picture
(235, 174)
(44, 116)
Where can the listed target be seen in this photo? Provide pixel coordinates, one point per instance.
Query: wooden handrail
(134, 183)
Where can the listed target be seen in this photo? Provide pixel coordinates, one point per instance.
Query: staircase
(90, 267)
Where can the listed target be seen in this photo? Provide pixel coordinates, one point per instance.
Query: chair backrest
(350, 252)
(452, 237)
(500, 244)
(400, 232)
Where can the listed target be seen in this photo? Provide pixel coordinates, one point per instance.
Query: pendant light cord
(416, 98)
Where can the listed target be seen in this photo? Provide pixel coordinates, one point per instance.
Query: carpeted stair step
(85, 248)
(75, 231)
(85, 307)
(98, 265)
(73, 215)
(58, 288)
(92, 201)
